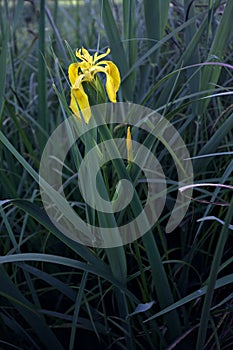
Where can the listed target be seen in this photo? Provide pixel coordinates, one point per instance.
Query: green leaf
(42, 87)
(3, 61)
(221, 282)
(212, 144)
(156, 13)
(28, 312)
(116, 46)
(211, 74)
(205, 315)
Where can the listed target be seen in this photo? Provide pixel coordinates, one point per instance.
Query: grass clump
(162, 291)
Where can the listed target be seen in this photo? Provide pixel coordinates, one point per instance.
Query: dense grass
(176, 58)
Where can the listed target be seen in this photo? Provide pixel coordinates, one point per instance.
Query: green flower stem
(160, 280)
(116, 256)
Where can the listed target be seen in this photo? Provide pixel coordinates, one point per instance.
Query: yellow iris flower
(84, 71)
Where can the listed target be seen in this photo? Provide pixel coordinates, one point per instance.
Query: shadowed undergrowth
(175, 58)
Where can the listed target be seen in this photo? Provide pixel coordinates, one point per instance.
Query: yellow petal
(79, 101)
(129, 145)
(98, 57)
(73, 72)
(78, 81)
(113, 80)
(84, 55)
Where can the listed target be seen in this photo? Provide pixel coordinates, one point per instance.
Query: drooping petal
(78, 81)
(73, 72)
(113, 79)
(79, 101)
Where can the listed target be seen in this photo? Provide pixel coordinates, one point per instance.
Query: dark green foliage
(176, 58)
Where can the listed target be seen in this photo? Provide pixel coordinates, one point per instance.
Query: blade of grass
(9, 229)
(210, 75)
(27, 310)
(17, 14)
(42, 89)
(212, 145)
(130, 41)
(190, 32)
(117, 49)
(223, 179)
(212, 279)
(221, 282)
(60, 260)
(23, 135)
(156, 46)
(51, 280)
(59, 42)
(188, 55)
(155, 20)
(76, 310)
(3, 60)
(19, 332)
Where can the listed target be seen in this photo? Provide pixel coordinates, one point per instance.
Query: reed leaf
(117, 48)
(28, 311)
(212, 279)
(156, 13)
(42, 88)
(210, 75)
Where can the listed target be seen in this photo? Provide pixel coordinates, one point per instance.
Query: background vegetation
(162, 291)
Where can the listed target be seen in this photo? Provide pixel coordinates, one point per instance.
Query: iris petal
(83, 54)
(79, 101)
(73, 72)
(113, 80)
(99, 57)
